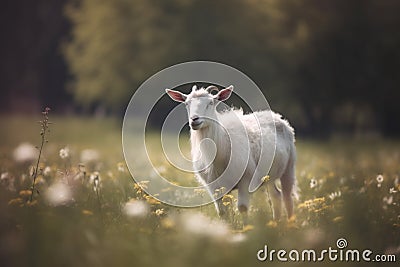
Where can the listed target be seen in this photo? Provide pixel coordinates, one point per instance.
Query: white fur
(232, 134)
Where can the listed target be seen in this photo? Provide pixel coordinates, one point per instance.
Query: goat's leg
(276, 199)
(243, 201)
(243, 198)
(287, 182)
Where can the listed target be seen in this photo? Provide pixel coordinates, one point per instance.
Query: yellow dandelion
(247, 228)
(228, 197)
(31, 203)
(167, 223)
(265, 179)
(338, 219)
(292, 219)
(151, 200)
(226, 203)
(15, 201)
(272, 224)
(291, 222)
(87, 212)
(25, 193)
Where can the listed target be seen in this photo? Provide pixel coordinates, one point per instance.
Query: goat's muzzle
(195, 122)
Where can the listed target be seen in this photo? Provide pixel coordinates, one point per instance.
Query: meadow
(88, 211)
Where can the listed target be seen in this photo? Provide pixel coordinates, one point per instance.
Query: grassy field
(89, 212)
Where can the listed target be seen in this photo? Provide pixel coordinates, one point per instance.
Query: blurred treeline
(329, 66)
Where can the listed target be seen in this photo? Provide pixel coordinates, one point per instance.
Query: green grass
(93, 230)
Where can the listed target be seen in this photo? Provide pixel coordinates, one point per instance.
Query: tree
(114, 46)
(314, 59)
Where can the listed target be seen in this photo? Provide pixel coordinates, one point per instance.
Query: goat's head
(200, 104)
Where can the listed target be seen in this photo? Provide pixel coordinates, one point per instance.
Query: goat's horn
(212, 88)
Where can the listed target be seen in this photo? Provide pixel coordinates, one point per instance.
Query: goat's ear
(176, 95)
(224, 94)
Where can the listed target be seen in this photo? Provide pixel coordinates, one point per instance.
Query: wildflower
(4, 176)
(81, 173)
(121, 167)
(388, 200)
(159, 212)
(87, 212)
(32, 203)
(16, 201)
(334, 195)
(96, 183)
(151, 200)
(59, 194)
(219, 191)
(199, 224)
(337, 219)
(237, 238)
(379, 178)
(200, 191)
(247, 228)
(23, 193)
(139, 186)
(265, 179)
(25, 152)
(7, 181)
(227, 199)
(89, 155)
(272, 224)
(32, 170)
(136, 209)
(313, 183)
(167, 223)
(392, 190)
(95, 179)
(64, 152)
(47, 171)
(94, 176)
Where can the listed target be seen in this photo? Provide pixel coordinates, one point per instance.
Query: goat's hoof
(242, 208)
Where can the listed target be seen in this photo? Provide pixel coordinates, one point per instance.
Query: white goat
(236, 148)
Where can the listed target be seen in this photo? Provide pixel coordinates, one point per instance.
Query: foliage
(116, 45)
(325, 65)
